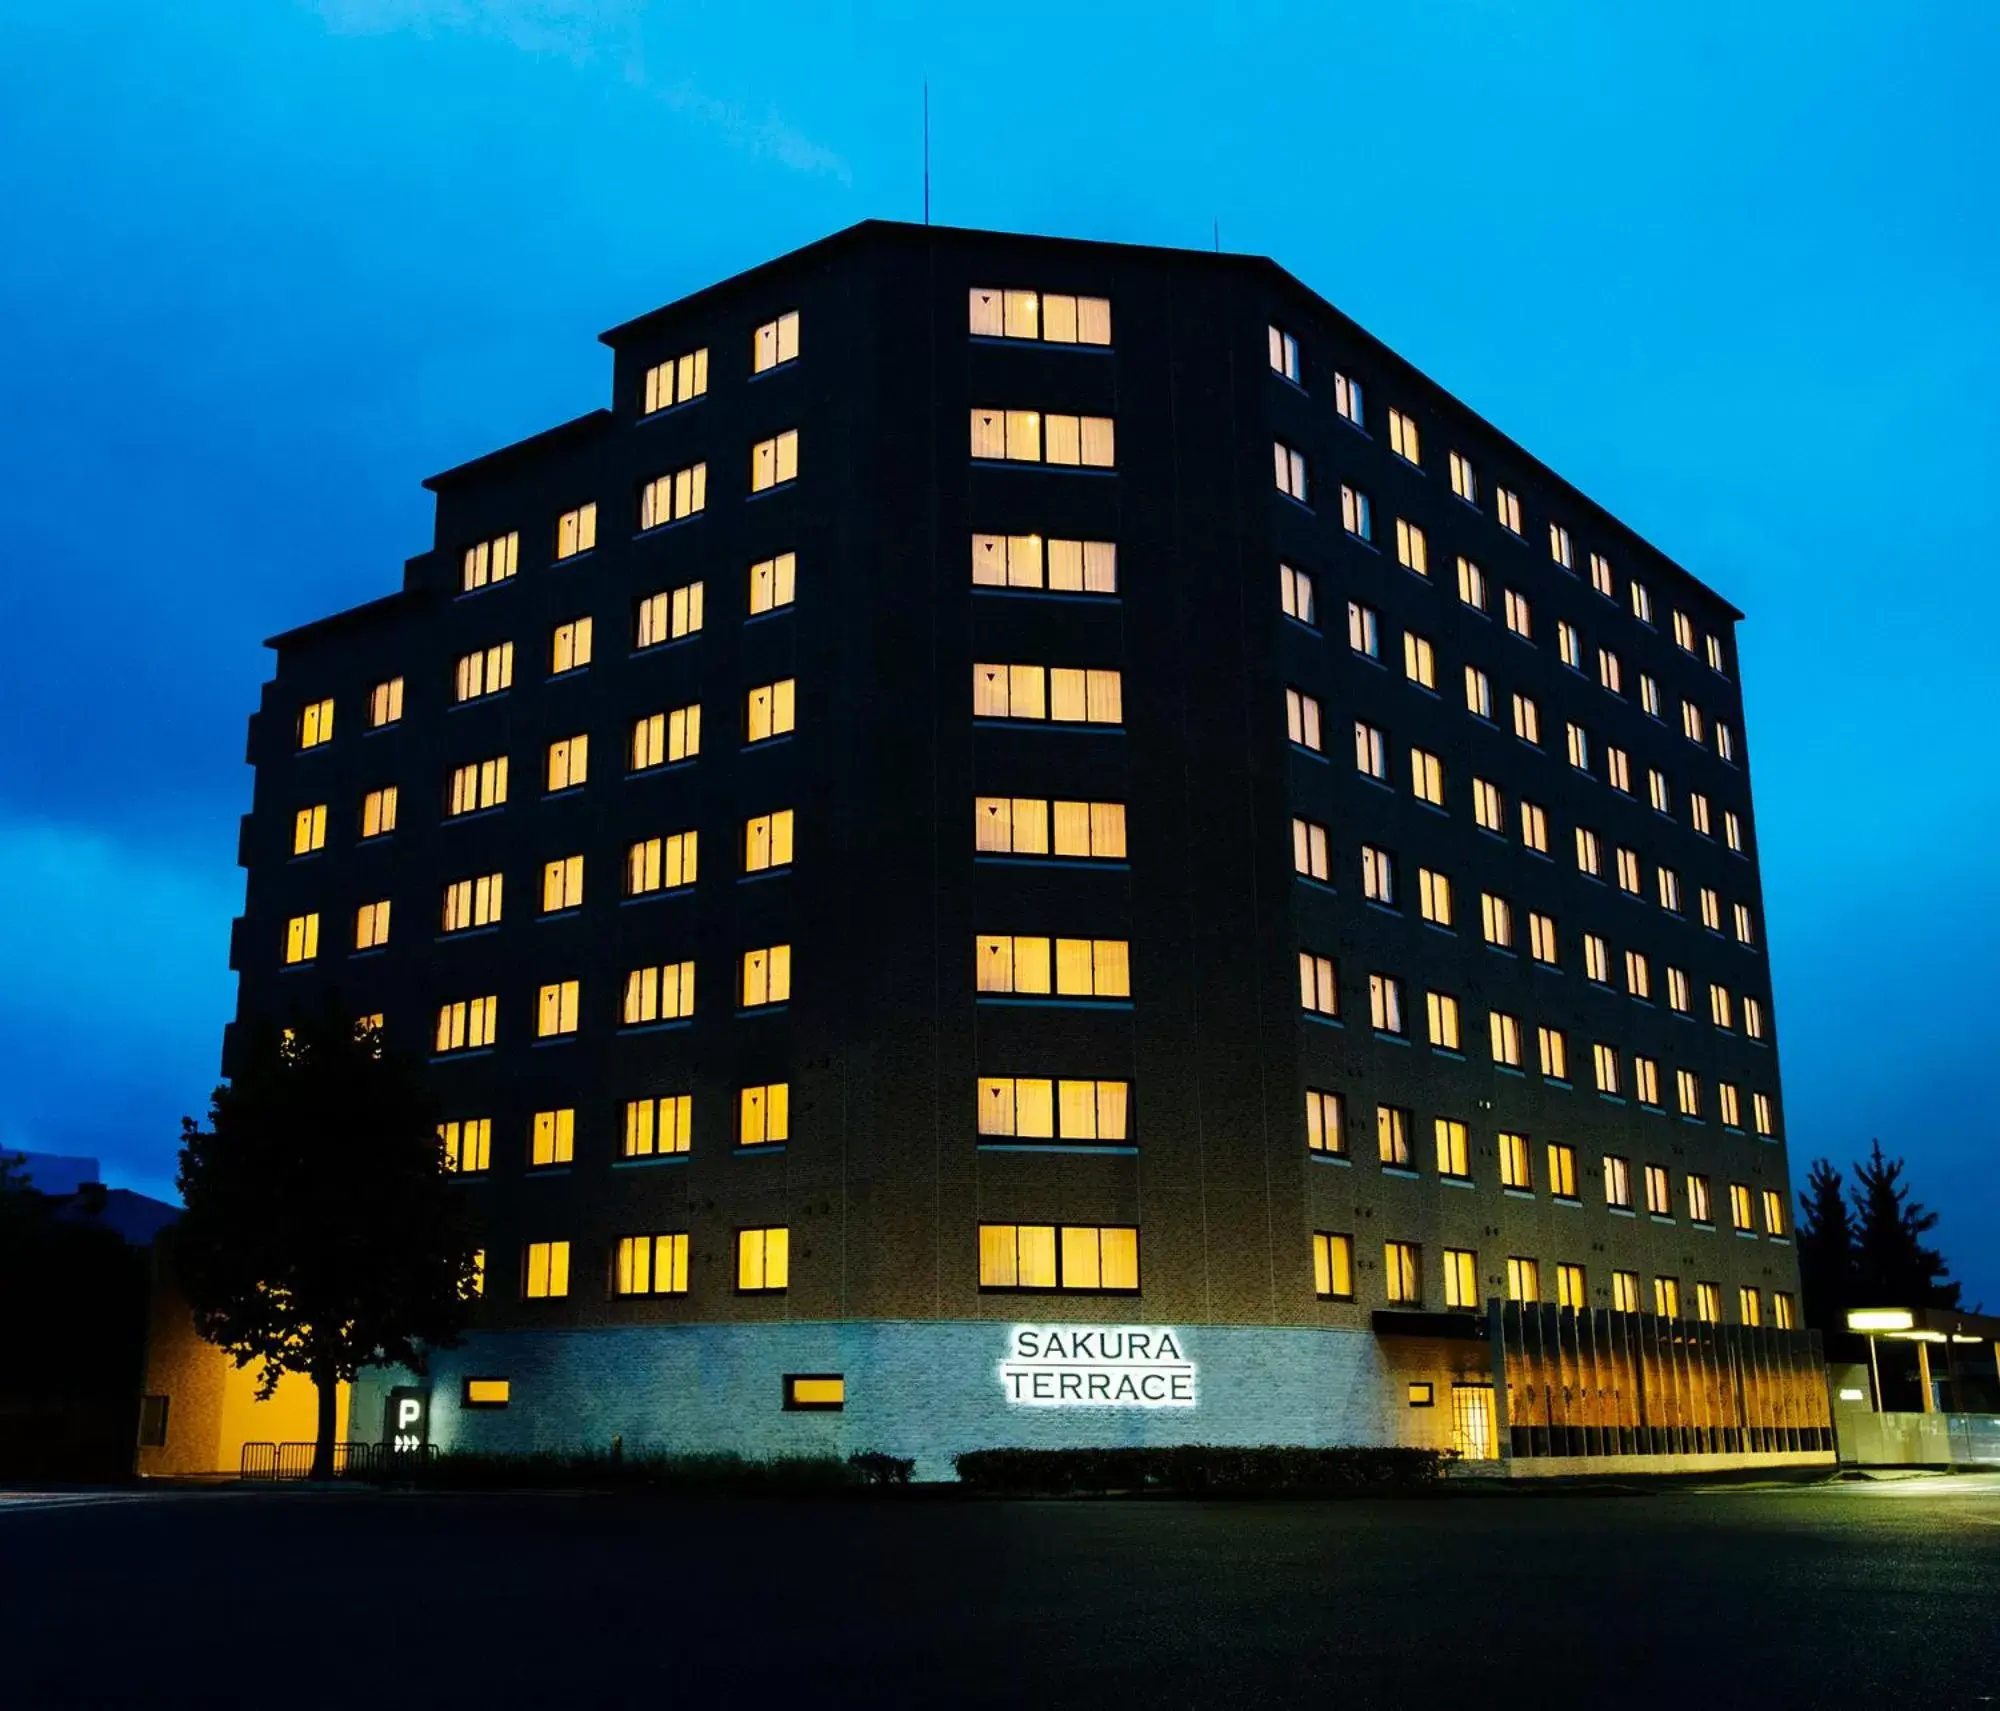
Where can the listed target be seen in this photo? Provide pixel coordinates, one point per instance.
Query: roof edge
(577, 427)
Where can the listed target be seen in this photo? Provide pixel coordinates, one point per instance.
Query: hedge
(1205, 1470)
(601, 1470)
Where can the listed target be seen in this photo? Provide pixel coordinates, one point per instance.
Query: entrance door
(1472, 1421)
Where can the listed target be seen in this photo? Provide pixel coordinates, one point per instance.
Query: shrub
(599, 1470)
(1205, 1470)
(872, 1467)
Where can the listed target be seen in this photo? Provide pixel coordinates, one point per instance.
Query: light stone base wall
(923, 1389)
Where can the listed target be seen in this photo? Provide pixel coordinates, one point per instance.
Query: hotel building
(1040, 842)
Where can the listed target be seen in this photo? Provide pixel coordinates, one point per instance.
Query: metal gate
(1472, 1421)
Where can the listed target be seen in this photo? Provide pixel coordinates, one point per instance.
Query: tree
(1826, 1249)
(1893, 1267)
(323, 1233)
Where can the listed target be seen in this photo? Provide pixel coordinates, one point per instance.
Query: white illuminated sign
(1097, 1366)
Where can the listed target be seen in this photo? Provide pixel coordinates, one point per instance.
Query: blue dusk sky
(1732, 270)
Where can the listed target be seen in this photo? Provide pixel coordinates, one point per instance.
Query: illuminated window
(1774, 1212)
(1461, 1277)
(1719, 1008)
(576, 531)
(1605, 1062)
(1309, 850)
(1711, 909)
(659, 1127)
(1524, 1279)
(1472, 584)
(1333, 1266)
(1553, 1048)
(767, 843)
(651, 1265)
(1618, 1182)
(763, 1260)
(661, 864)
(1678, 996)
(1363, 630)
(1732, 830)
(1698, 1204)
(1453, 1148)
(569, 763)
(1740, 1207)
(470, 903)
(1725, 742)
(1527, 720)
(1609, 672)
(1403, 437)
(1638, 975)
(552, 1137)
(767, 976)
(1729, 1104)
(468, 1144)
(473, 1289)
(491, 561)
(562, 884)
(1628, 871)
(1596, 959)
(1559, 546)
(1507, 509)
(1326, 1125)
(378, 812)
(1600, 576)
(1419, 661)
(1692, 725)
(1542, 938)
(309, 829)
(1712, 648)
(1667, 1297)
(1064, 694)
(775, 342)
(773, 583)
(371, 925)
(1625, 1292)
(667, 616)
(662, 739)
(1290, 469)
(1302, 720)
(1642, 603)
(658, 994)
(1028, 561)
(1295, 595)
(1412, 550)
(1749, 1308)
(1708, 1303)
(1284, 354)
(1761, 1114)
(1031, 1108)
(1385, 1003)
(1347, 397)
(1054, 318)
(1646, 1081)
(1740, 914)
(1571, 1291)
(316, 723)
(302, 938)
(385, 703)
(1067, 1256)
(775, 461)
(1478, 693)
(1020, 825)
(1535, 829)
(478, 786)
(1427, 777)
(764, 1114)
(1434, 897)
(1783, 1314)
(1378, 876)
(555, 1011)
(1356, 516)
(1496, 920)
(1081, 968)
(1402, 1273)
(1516, 1164)
(1519, 619)
(1753, 1018)
(1463, 481)
(1670, 890)
(569, 646)
(1318, 990)
(546, 1270)
(669, 498)
(678, 380)
(1487, 810)
(1392, 1130)
(1562, 1171)
(1029, 436)
(1649, 696)
(1688, 1087)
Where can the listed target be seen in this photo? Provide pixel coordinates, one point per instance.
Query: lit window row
(1047, 317)
(1030, 561)
(1066, 695)
(1035, 436)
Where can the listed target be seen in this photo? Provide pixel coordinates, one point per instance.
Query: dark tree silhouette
(1892, 1265)
(323, 1232)
(1826, 1250)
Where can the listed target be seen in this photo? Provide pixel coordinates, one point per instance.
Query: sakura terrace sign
(1097, 1366)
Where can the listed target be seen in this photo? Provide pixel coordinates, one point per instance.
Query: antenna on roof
(927, 151)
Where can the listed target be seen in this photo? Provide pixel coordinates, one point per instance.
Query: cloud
(584, 32)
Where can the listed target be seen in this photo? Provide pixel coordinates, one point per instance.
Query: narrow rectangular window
(1464, 482)
(569, 763)
(773, 583)
(678, 380)
(309, 829)
(556, 1010)
(1454, 1155)
(670, 498)
(1289, 466)
(769, 710)
(552, 1137)
(775, 461)
(1284, 354)
(1507, 509)
(545, 1271)
(1295, 595)
(1326, 1130)
(1403, 437)
(302, 938)
(1309, 850)
(576, 531)
(1333, 1266)
(1434, 896)
(662, 864)
(659, 1127)
(1348, 398)
(316, 723)
(767, 976)
(1319, 991)
(491, 561)
(764, 1114)
(658, 994)
(470, 903)
(371, 925)
(479, 786)
(1412, 549)
(468, 1144)
(1302, 720)
(662, 739)
(775, 343)
(667, 616)
(562, 884)
(569, 647)
(1516, 1163)
(1402, 1274)
(1355, 515)
(1461, 1277)
(385, 703)
(1472, 585)
(651, 1265)
(378, 812)
(763, 1260)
